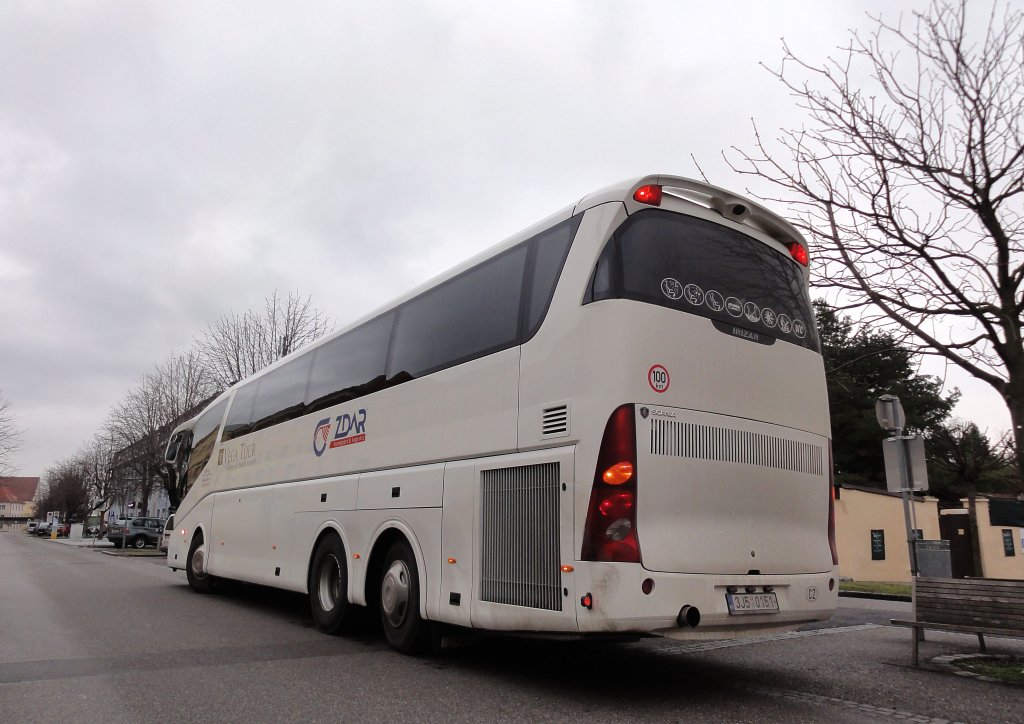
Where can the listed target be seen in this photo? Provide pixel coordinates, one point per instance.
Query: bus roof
(678, 189)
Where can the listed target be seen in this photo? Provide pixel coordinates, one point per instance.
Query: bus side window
(550, 250)
(282, 392)
(349, 366)
(475, 314)
(204, 437)
(239, 420)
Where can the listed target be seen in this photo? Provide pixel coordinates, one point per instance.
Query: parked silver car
(137, 532)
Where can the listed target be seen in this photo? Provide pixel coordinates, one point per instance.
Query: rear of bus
(702, 501)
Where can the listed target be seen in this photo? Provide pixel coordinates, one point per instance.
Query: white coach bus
(614, 422)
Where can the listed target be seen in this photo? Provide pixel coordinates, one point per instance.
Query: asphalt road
(86, 636)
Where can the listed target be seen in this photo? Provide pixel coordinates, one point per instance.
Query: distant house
(17, 496)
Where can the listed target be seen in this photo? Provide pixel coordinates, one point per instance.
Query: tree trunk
(1013, 394)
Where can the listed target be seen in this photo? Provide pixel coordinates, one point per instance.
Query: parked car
(165, 538)
(43, 528)
(64, 530)
(137, 532)
(32, 525)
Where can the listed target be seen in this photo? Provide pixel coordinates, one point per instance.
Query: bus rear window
(699, 267)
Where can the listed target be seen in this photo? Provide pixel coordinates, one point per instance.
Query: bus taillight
(618, 473)
(610, 533)
(649, 194)
(799, 252)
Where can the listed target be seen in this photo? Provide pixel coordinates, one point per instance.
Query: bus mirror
(179, 446)
(172, 448)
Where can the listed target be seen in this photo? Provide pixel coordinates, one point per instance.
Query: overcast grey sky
(164, 162)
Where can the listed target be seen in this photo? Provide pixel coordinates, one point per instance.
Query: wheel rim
(140, 543)
(394, 593)
(329, 582)
(199, 561)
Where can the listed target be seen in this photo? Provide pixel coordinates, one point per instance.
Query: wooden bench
(980, 606)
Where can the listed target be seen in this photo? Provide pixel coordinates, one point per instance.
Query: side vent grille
(519, 561)
(555, 421)
(705, 442)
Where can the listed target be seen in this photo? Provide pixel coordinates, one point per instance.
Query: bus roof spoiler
(732, 206)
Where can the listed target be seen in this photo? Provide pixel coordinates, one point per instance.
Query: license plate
(740, 603)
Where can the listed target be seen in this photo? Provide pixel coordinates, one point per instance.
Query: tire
(195, 566)
(139, 541)
(399, 602)
(328, 586)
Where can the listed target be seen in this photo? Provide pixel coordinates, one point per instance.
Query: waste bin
(933, 559)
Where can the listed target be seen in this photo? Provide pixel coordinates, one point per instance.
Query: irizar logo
(745, 334)
(349, 429)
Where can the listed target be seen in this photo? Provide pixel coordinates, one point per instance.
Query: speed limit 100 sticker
(657, 378)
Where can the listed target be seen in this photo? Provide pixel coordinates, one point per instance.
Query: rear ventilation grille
(705, 442)
(519, 562)
(555, 421)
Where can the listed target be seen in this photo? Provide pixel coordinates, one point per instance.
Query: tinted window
(282, 393)
(239, 420)
(204, 437)
(700, 267)
(550, 249)
(474, 314)
(349, 366)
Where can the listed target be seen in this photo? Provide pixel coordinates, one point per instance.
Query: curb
(875, 596)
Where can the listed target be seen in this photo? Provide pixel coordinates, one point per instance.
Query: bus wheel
(195, 566)
(404, 628)
(328, 586)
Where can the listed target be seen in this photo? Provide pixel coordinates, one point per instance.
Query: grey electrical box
(933, 559)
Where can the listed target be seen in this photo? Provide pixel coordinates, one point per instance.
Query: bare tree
(10, 437)
(137, 428)
(66, 491)
(96, 460)
(182, 382)
(133, 425)
(910, 176)
(238, 345)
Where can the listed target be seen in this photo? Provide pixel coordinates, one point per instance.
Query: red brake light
(799, 252)
(617, 505)
(649, 194)
(610, 532)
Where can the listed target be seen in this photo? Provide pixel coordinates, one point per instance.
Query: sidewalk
(105, 546)
(83, 543)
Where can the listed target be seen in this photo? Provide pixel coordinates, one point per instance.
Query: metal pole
(905, 494)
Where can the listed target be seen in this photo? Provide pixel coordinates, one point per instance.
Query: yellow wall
(858, 513)
(994, 561)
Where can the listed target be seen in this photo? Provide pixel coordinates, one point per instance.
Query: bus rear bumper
(697, 606)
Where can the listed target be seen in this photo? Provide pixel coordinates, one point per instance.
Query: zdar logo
(348, 430)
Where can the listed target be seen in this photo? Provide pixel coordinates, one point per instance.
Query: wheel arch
(330, 527)
(383, 538)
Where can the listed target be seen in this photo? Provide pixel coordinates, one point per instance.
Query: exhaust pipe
(688, 616)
